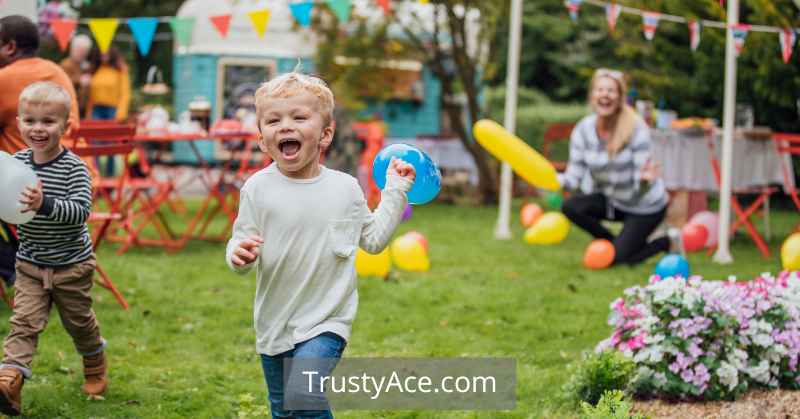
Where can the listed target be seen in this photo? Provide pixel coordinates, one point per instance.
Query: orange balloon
(529, 213)
(599, 254)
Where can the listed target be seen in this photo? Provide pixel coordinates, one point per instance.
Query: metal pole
(502, 230)
(723, 253)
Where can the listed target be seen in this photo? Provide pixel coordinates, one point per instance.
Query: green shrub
(597, 374)
(612, 405)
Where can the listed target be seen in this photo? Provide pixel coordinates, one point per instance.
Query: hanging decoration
(260, 19)
(612, 14)
(649, 24)
(341, 8)
(787, 38)
(386, 6)
(103, 31)
(694, 34)
(183, 28)
(573, 6)
(63, 30)
(739, 35)
(302, 12)
(221, 23)
(143, 30)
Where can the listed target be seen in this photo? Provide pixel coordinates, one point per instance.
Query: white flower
(763, 340)
(760, 372)
(651, 354)
(728, 375)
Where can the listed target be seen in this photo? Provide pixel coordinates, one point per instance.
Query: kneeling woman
(611, 147)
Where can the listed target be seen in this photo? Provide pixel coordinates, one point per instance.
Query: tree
(455, 41)
(563, 56)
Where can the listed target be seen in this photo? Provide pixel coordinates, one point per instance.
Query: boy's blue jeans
(327, 345)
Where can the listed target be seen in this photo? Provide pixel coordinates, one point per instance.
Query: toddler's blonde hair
(290, 84)
(43, 92)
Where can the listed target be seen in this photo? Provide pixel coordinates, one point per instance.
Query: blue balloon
(672, 265)
(428, 181)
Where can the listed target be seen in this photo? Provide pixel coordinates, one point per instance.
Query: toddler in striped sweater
(55, 261)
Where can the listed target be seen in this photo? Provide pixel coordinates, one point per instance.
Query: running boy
(55, 262)
(301, 224)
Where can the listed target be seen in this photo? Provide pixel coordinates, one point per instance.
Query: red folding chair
(554, 134)
(788, 145)
(743, 214)
(113, 213)
(142, 197)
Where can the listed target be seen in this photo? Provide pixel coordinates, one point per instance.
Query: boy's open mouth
(289, 148)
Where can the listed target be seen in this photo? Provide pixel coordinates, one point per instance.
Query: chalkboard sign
(237, 81)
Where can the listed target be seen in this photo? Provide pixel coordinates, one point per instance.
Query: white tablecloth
(686, 163)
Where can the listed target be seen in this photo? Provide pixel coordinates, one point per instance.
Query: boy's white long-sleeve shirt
(306, 279)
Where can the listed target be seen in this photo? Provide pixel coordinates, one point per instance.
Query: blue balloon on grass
(428, 179)
(672, 265)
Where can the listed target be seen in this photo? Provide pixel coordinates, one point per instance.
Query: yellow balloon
(550, 228)
(373, 265)
(790, 253)
(507, 147)
(409, 254)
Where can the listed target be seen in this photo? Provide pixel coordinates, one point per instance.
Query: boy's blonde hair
(289, 84)
(43, 92)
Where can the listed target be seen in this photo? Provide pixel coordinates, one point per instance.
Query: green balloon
(554, 200)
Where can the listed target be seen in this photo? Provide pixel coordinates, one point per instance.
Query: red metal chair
(114, 211)
(788, 145)
(743, 215)
(554, 134)
(142, 196)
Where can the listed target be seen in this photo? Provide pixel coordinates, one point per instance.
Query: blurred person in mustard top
(110, 87)
(19, 67)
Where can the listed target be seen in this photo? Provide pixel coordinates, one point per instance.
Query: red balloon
(599, 254)
(529, 213)
(694, 237)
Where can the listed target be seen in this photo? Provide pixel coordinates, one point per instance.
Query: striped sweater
(619, 179)
(58, 234)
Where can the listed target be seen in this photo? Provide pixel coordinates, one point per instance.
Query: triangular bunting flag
(63, 29)
(649, 24)
(787, 37)
(341, 8)
(183, 28)
(103, 31)
(573, 6)
(694, 34)
(387, 8)
(259, 19)
(739, 35)
(221, 24)
(612, 13)
(143, 29)
(302, 12)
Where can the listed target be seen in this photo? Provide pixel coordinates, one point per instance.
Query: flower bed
(709, 339)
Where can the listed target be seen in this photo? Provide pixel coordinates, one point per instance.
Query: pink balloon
(710, 221)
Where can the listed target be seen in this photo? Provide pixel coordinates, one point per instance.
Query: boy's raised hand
(247, 251)
(32, 198)
(400, 168)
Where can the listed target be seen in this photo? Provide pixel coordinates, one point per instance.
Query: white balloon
(14, 177)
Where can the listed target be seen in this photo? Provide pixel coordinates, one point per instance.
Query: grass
(185, 349)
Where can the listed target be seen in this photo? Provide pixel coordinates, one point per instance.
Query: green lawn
(185, 348)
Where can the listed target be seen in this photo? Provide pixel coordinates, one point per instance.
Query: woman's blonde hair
(625, 118)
